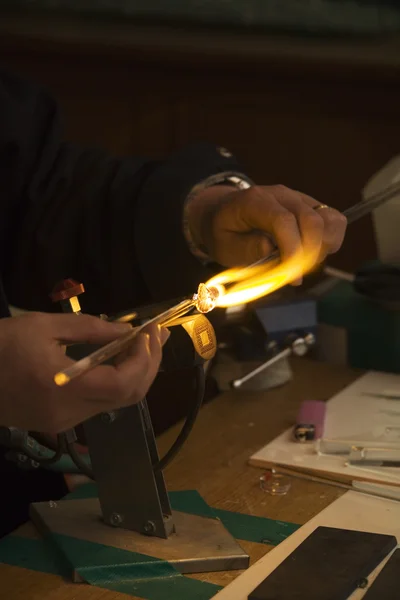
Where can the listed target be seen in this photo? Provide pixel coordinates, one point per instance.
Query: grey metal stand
(132, 511)
(122, 451)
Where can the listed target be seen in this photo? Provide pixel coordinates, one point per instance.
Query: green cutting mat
(148, 578)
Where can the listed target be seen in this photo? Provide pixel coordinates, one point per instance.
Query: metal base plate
(200, 544)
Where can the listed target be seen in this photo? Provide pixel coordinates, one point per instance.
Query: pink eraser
(312, 412)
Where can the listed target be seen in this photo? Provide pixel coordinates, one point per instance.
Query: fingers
(322, 231)
(85, 329)
(165, 334)
(335, 224)
(246, 248)
(292, 219)
(130, 379)
(261, 211)
(106, 387)
(310, 223)
(148, 353)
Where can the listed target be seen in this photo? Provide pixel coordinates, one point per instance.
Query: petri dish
(275, 484)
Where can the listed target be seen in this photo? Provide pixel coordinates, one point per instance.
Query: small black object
(386, 585)
(328, 565)
(304, 433)
(179, 352)
(379, 282)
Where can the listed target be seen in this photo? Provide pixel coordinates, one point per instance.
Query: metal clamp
(298, 347)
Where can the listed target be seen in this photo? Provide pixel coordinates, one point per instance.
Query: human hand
(31, 354)
(240, 227)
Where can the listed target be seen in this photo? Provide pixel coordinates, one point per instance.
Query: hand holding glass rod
(204, 301)
(353, 214)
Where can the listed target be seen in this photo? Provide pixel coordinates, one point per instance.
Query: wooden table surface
(214, 462)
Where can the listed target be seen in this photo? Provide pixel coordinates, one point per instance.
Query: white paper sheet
(351, 415)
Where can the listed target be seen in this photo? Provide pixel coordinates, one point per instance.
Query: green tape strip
(242, 527)
(133, 573)
(190, 501)
(178, 588)
(37, 555)
(255, 529)
(33, 554)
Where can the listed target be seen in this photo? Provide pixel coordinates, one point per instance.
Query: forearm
(80, 225)
(114, 224)
(177, 183)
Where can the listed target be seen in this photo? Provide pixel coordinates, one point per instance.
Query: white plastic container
(386, 218)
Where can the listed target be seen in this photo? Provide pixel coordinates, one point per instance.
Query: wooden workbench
(214, 462)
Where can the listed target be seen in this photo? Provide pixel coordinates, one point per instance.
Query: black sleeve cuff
(167, 264)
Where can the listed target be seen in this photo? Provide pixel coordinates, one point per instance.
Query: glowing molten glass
(206, 298)
(239, 286)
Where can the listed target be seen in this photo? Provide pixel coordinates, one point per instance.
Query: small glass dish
(275, 484)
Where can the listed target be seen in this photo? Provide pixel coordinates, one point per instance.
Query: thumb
(86, 329)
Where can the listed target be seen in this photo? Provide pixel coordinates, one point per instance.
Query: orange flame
(242, 285)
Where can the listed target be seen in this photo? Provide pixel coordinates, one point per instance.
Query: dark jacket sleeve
(115, 224)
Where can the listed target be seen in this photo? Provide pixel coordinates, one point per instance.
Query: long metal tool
(299, 347)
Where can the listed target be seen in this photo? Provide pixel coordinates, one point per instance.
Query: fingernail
(297, 282)
(165, 333)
